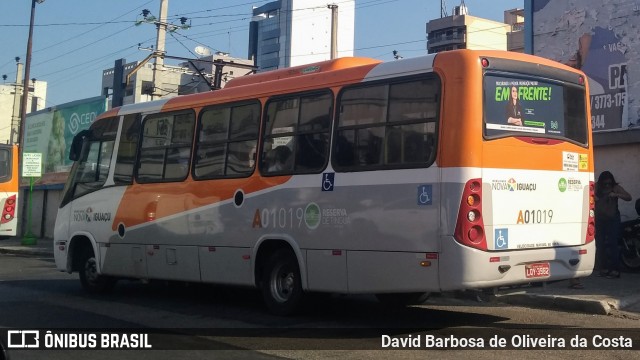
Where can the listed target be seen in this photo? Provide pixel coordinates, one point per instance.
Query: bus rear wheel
(403, 299)
(91, 280)
(281, 284)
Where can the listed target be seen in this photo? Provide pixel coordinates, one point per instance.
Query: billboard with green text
(51, 131)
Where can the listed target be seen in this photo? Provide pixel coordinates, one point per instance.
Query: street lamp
(25, 83)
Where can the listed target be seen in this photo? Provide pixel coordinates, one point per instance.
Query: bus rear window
(515, 106)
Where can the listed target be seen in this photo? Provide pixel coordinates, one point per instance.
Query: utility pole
(15, 117)
(334, 30)
(25, 83)
(159, 53)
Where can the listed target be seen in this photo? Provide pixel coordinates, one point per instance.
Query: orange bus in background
(462, 169)
(9, 189)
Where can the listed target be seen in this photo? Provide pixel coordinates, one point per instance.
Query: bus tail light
(591, 222)
(470, 226)
(9, 210)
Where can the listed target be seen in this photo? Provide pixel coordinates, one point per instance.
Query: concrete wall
(44, 208)
(485, 34)
(622, 160)
(7, 97)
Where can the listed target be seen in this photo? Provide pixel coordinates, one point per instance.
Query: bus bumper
(462, 267)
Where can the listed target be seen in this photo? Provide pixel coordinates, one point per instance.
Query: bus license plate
(537, 270)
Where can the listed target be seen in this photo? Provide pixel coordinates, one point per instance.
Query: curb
(26, 252)
(559, 302)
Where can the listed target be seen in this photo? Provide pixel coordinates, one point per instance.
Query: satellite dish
(203, 51)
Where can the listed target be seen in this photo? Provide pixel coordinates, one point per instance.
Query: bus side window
(165, 150)
(127, 150)
(344, 149)
(227, 141)
(300, 123)
(387, 125)
(279, 159)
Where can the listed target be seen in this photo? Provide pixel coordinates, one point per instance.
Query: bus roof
(296, 71)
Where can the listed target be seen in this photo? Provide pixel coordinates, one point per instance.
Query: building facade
(601, 38)
(463, 31)
(177, 80)
(287, 33)
(10, 100)
(515, 37)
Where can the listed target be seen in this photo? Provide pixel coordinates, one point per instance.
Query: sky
(74, 40)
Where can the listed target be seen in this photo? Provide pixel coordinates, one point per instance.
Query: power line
(83, 46)
(74, 37)
(195, 41)
(69, 24)
(87, 62)
(183, 45)
(215, 9)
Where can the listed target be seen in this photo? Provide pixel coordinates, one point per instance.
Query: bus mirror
(76, 145)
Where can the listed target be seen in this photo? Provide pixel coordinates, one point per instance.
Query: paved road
(35, 295)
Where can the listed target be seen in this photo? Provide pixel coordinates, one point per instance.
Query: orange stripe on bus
(145, 202)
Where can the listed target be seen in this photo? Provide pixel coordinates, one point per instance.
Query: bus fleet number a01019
(535, 216)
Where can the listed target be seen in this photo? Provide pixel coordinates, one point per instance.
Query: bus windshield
(520, 106)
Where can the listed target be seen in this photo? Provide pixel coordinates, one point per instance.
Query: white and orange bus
(346, 176)
(9, 190)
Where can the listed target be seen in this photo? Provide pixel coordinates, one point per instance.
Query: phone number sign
(31, 164)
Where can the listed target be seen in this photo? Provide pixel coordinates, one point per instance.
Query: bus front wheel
(90, 279)
(281, 284)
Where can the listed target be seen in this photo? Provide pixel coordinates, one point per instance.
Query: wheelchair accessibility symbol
(327, 181)
(501, 238)
(424, 195)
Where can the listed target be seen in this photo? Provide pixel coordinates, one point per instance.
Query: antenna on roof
(443, 8)
(462, 9)
(202, 51)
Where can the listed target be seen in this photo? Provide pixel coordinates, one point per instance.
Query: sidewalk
(599, 296)
(43, 247)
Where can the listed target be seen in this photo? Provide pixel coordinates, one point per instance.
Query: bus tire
(91, 281)
(281, 283)
(403, 299)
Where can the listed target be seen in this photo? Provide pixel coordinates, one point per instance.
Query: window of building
(166, 147)
(227, 139)
(297, 134)
(388, 125)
